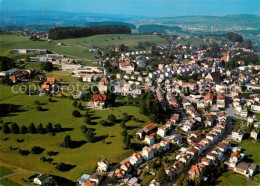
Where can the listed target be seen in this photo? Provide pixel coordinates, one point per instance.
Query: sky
(148, 8)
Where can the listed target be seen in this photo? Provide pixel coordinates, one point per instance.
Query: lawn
(232, 178)
(252, 149)
(114, 39)
(109, 139)
(147, 179)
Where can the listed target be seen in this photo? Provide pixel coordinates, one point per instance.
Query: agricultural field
(196, 41)
(9, 42)
(114, 40)
(109, 140)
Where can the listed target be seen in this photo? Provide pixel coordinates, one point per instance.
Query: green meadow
(109, 143)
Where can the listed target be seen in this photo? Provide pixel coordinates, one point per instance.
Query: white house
(149, 139)
(147, 153)
(136, 159)
(42, 179)
(237, 135)
(103, 165)
(162, 131)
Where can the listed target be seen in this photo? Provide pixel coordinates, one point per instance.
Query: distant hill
(218, 21)
(132, 26)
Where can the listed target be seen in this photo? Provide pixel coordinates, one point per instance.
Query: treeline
(157, 28)
(75, 32)
(6, 63)
(103, 23)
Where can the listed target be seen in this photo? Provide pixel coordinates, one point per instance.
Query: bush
(37, 150)
(52, 153)
(38, 108)
(111, 118)
(64, 167)
(76, 113)
(103, 123)
(24, 152)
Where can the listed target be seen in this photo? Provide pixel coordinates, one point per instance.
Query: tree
(161, 175)
(49, 127)
(32, 129)
(103, 122)
(125, 116)
(6, 128)
(197, 180)
(84, 129)
(48, 66)
(67, 142)
(75, 103)
(37, 150)
(207, 108)
(40, 129)
(24, 129)
(123, 125)
(90, 136)
(76, 113)
(58, 127)
(88, 119)
(112, 118)
(80, 106)
(15, 128)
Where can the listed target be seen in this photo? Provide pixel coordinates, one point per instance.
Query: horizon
(148, 9)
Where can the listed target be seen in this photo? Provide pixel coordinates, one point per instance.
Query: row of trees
(15, 129)
(76, 32)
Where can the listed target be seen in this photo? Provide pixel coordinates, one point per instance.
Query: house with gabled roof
(147, 153)
(99, 100)
(102, 165)
(149, 139)
(136, 159)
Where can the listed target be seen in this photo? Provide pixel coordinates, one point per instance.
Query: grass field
(109, 139)
(252, 149)
(114, 39)
(9, 42)
(196, 41)
(231, 178)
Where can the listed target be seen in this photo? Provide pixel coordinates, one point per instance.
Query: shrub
(37, 150)
(76, 113)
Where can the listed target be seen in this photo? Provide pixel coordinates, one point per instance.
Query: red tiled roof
(100, 97)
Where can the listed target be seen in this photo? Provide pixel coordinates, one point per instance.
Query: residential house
(42, 179)
(126, 166)
(162, 131)
(196, 170)
(83, 179)
(165, 145)
(147, 153)
(221, 101)
(237, 135)
(96, 178)
(246, 169)
(254, 134)
(136, 159)
(103, 165)
(99, 100)
(149, 139)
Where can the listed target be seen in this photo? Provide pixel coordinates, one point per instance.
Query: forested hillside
(76, 32)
